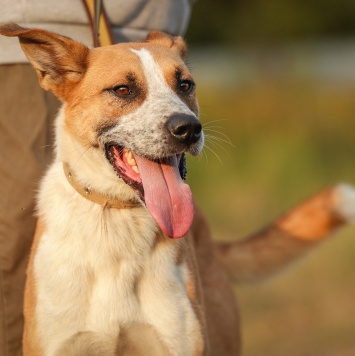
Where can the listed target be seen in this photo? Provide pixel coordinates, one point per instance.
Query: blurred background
(276, 86)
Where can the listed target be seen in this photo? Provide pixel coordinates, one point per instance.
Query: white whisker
(213, 121)
(81, 156)
(212, 142)
(210, 149)
(218, 139)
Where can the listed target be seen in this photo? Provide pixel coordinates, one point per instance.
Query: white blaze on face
(159, 91)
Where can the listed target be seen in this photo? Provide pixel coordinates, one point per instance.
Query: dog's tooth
(130, 159)
(125, 153)
(135, 169)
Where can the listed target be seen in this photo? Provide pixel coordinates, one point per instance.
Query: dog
(122, 261)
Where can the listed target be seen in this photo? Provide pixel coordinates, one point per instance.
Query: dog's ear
(177, 44)
(59, 61)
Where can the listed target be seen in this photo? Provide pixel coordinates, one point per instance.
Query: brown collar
(96, 197)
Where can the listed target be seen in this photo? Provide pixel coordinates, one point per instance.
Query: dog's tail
(289, 237)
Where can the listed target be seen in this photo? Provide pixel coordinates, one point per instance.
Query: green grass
(289, 139)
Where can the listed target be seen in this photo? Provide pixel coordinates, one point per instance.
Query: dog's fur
(107, 281)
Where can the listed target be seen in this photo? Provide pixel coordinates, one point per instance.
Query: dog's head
(133, 105)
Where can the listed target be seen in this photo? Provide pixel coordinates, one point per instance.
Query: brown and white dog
(104, 277)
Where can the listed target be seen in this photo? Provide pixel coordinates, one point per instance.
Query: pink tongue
(167, 197)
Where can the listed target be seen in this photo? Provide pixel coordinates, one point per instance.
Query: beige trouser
(26, 116)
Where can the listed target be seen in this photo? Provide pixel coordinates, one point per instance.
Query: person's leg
(26, 116)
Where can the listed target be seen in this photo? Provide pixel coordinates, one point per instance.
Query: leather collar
(104, 200)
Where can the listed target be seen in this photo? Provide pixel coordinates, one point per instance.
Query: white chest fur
(100, 270)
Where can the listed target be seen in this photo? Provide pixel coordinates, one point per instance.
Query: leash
(99, 22)
(88, 193)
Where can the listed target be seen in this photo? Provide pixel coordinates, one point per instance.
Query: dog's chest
(105, 274)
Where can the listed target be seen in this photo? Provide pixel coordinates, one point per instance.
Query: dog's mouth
(159, 183)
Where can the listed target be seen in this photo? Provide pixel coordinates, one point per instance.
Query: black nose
(185, 128)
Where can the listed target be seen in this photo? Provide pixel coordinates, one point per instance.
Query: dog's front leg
(136, 339)
(88, 344)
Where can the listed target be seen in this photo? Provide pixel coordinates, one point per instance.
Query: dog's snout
(185, 128)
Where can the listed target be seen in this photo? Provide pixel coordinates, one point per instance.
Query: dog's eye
(122, 90)
(186, 86)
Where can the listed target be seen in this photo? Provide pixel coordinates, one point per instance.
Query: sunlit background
(276, 86)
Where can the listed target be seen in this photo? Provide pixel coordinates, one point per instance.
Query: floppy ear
(177, 44)
(59, 61)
